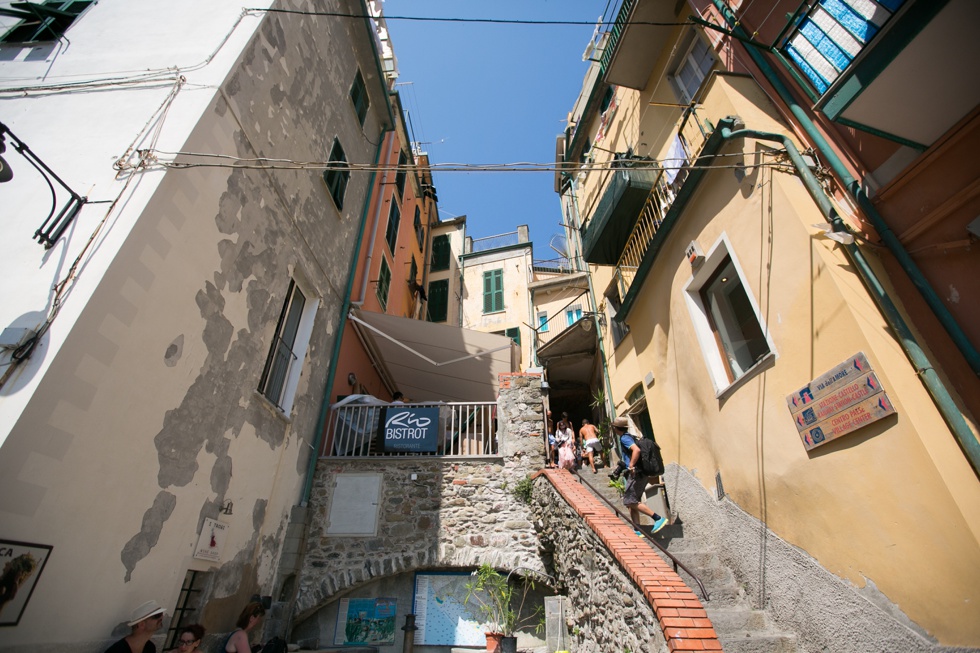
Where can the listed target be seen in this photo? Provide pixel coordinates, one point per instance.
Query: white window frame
(717, 369)
(300, 346)
(682, 60)
(543, 324)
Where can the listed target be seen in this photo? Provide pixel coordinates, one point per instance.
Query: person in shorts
(589, 437)
(636, 482)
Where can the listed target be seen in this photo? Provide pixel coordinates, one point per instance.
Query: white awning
(436, 362)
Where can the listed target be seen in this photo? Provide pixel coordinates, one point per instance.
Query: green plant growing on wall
(523, 489)
(603, 425)
(495, 597)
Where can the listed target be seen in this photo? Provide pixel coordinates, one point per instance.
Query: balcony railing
(688, 141)
(622, 19)
(465, 429)
(558, 323)
(554, 266)
(494, 242)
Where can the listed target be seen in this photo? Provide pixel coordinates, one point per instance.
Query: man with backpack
(641, 463)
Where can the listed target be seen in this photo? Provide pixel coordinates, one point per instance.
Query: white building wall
(137, 416)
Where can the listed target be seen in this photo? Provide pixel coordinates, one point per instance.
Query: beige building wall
(894, 504)
(146, 419)
(515, 261)
(455, 229)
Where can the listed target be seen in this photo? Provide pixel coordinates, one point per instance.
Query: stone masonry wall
(457, 513)
(607, 610)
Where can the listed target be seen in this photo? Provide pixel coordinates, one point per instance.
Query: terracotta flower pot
(493, 642)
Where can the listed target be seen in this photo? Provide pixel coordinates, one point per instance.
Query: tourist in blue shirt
(636, 482)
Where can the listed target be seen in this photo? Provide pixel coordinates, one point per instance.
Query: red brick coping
(683, 620)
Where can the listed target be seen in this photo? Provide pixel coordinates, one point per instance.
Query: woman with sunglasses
(190, 638)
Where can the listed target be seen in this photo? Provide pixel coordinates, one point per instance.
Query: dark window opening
(337, 174)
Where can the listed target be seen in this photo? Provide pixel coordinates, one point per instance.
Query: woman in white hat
(144, 620)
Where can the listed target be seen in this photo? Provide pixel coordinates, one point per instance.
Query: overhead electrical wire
(150, 159)
(492, 21)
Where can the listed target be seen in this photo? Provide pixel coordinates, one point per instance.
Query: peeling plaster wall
(147, 419)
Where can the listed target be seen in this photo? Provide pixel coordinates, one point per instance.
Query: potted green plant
(495, 596)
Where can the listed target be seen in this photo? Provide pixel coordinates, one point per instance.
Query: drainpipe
(854, 188)
(923, 368)
(321, 421)
(377, 219)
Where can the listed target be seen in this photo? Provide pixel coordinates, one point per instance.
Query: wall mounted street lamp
(54, 225)
(588, 316)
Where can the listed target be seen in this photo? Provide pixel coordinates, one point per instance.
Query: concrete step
(736, 619)
(753, 642)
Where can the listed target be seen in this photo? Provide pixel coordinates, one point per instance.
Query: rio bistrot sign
(409, 429)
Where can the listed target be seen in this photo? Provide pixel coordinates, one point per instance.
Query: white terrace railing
(465, 429)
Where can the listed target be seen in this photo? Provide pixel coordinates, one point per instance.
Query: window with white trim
(573, 314)
(543, 322)
(283, 365)
(727, 320)
(692, 68)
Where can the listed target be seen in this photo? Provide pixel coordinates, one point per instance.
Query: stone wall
(607, 610)
(456, 512)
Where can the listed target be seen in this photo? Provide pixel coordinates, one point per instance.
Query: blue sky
(489, 93)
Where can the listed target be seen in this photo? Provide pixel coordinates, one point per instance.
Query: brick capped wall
(622, 594)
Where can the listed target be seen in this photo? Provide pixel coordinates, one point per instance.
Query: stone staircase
(740, 627)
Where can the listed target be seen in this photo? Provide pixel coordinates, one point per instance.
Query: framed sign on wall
(21, 565)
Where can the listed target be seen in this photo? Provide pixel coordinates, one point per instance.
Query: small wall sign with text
(838, 402)
(212, 540)
(409, 429)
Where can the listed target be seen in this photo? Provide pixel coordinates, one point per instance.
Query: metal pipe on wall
(923, 367)
(854, 189)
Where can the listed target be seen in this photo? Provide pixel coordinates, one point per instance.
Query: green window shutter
(359, 97)
(401, 174)
(391, 234)
(438, 307)
(514, 334)
(384, 282)
(498, 290)
(488, 292)
(337, 174)
(419, 232)
(440, 253)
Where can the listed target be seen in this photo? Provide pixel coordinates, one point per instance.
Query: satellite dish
(559, 243)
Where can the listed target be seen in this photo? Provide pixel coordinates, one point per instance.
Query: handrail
(677, 563)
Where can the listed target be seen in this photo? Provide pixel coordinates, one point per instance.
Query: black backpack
(651, 463)
(275, 645)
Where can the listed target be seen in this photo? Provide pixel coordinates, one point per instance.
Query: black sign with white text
(407, 428)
